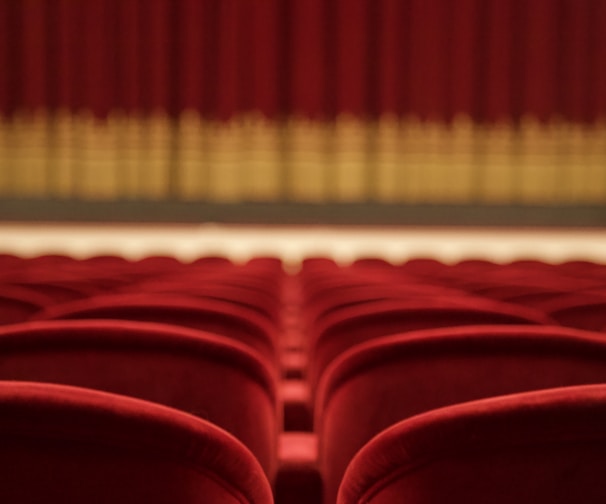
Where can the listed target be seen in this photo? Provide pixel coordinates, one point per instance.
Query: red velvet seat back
(358, 324)
(268, 306)
(70, 445)
(205, 375)
(584, 311)
(382, 382)
(18, 304)
(208, 315)
(537, 447)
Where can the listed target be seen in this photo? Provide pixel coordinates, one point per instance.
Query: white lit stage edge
(293, 243)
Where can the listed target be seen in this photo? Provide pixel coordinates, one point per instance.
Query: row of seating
(362, 383)
(385, 343)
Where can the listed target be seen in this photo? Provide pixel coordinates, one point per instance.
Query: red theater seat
(106, 261)
(208, 315)
(536, 447)
(211, 262)
(267, 305)
(357, 324)
(321, 264)
(372, 263)
(158, 264)
(381, 382)
(18, 304)
(71, 445)
(330, 300)
(581, 310)
(424, 267)
(208, 376)
(57, 291)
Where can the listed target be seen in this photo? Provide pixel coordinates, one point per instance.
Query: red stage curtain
(305, 59)
(189, 62)
(98, 65)
(128, 63)
(34, 72)
(427, 71)
(496, 60)
(597, 78)
(265, 52)
(436, 59)
(575, 57)
(391, 32)
(464, 28)
(156, 55)
(6, 36)
(351, 55)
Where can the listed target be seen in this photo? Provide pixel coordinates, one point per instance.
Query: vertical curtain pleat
(352, 58)
(307, 65)
(424, 178)
(495, 145)
(192, 85)
(462, 59)
(191, 15)
(307, 58)
(224, 165)
(128, 64)
(539, 174)
(264, 98)
(129, 99)
(157, 76)
(497, 60)
(428, 58)
(96, 169)
(227, 70)
(597, 79)
(597, 102)
(32, 122)
(5, 31)
(155, 55)
(97, 63)
(540, 59)
(66, 71)
(390, 53)
(574, 74)
(32, 29)
(464, 27)
(575, 59)
(6, 150)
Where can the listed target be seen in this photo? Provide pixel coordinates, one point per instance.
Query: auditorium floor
(293, 243)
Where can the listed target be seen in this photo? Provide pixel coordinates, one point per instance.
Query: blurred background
(426, 112)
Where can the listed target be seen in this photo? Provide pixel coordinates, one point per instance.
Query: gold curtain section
(250, 158)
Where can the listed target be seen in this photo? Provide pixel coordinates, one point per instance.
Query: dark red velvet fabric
(204, 314)
(432, 59)
(208, 376)
(66, 444)
(18, 304)
(536, 447)
(255, 300)
(328, 301)
(581, 310)
(358, 324)
(387, 380)
(58, 291)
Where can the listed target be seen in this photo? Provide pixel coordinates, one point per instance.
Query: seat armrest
(297, 405)
(298, 480)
